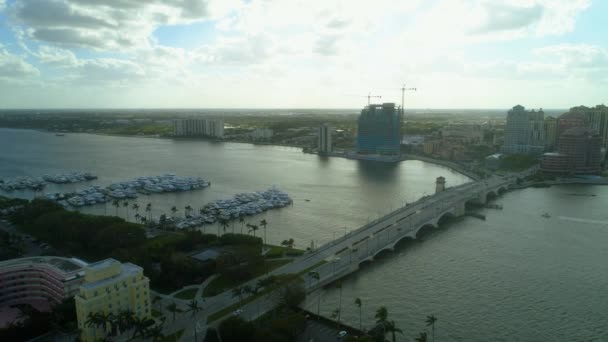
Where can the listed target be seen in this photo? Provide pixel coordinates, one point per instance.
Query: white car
(342, 334)
(237, 312)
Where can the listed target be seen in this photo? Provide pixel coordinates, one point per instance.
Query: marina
(242, 204)
(38, 183)
(127, 190)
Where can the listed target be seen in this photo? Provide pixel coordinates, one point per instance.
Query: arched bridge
(345, 255)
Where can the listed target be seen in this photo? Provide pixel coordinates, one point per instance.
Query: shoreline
(404, 157)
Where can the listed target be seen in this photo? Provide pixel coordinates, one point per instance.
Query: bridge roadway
(344, 255)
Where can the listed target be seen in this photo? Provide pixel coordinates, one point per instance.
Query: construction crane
(403, 90)
(369, 97)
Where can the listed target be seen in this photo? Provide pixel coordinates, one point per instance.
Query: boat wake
(582, 220)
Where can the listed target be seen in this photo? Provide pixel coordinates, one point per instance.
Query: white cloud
(13, 66)
(106, 24)
(2, 4)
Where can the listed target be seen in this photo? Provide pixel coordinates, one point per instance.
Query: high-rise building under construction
(379, 130)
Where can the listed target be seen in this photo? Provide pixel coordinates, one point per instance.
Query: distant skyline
(485, 54)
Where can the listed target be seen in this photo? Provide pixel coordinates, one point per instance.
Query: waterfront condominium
(324, 144)
(578, 152)
(198, 128)
(524, 131)
(379, 129)
(111, 287)
(596, 119)
(550, 133)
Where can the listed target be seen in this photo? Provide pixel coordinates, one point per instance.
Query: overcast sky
(305, 54)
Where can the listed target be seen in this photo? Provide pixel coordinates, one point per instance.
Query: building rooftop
(65, 265)
(126, 270)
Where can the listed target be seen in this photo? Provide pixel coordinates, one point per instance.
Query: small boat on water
(59, 135)
(546, 215)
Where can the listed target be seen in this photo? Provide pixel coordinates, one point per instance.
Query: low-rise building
(111, 287)
(41, 282)
(262, 134)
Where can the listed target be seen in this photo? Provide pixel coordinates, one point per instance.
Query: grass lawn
(173, 337)
(186, 294)
(280, 251)
(221, 283)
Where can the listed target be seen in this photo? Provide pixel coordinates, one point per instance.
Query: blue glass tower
(379, 130)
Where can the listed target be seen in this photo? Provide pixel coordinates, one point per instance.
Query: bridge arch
(382, 252)
(491, 195)
(502, 190)
(424, 229)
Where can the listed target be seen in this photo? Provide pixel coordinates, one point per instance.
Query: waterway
(515, 277)
(331, 195)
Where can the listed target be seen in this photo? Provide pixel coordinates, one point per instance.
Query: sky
(302, 54)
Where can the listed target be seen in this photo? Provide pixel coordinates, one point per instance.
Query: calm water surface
(515, 277)
(342, 194)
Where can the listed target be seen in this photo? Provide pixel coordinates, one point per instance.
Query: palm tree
(140, 326)
(224, 223)
(315, 275)
(430, 321)
(149, 210)
(242, 221)
(135, 207)
(155, 333)
(392, 328)
(173, 309)
(335, 315)
(421, 338)
(263, 223)
(125, 320)
(174, 210)
(125, 204)
(116, 204)
(382, 319)
(187, 210)
(162, 221)
(252, 228)
(339, 285)
(194, 307)
(137, 217)
(96, 320)
(144, 220)
(358, 303)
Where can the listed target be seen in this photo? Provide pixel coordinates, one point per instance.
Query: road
(414, 213)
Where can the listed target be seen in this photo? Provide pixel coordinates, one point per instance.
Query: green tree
(358, 303)
(125, 205)
(252, 228)
(264, 223)
(236, 329)
(193, 307)
(116, 204)
(315, 275)
(430, 321)
(422, 337)
(173, 309)
(392, 328)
